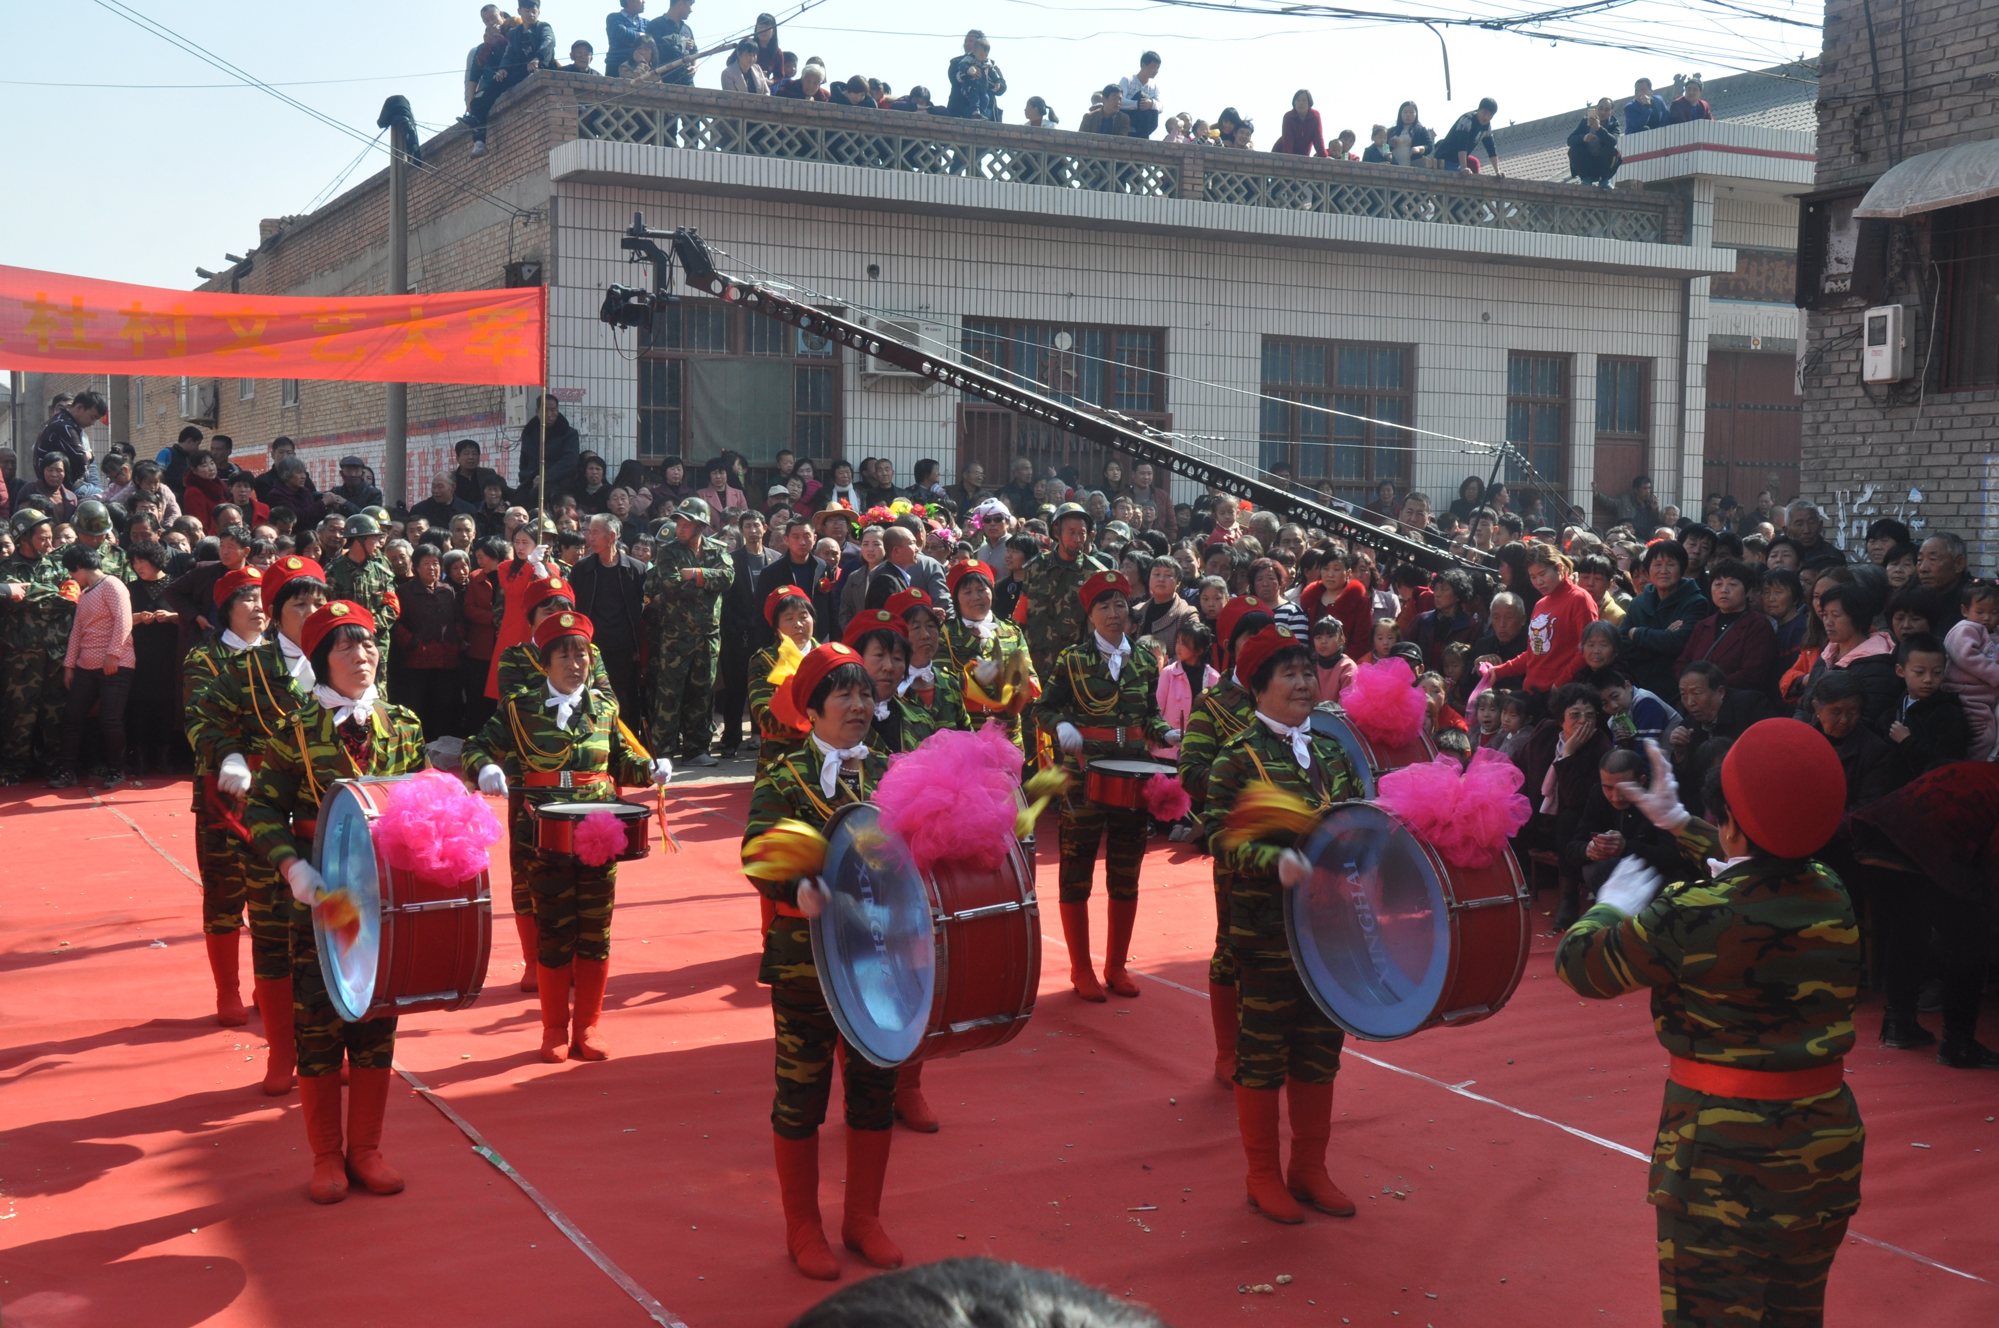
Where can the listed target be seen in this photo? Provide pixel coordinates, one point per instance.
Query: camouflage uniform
(239, 711)
(1050, 608)
(806, 1033)
(520, 670)
(225, 880)
(686, 620)
(1081, 691)
(36, 638)
(944, 708)
(1758, 969)
(111, 560)
(965, 649)
(571, 901)
(302, 762)
(1219, 715)
(774, 739)
(373, 586)
(1283, 1033)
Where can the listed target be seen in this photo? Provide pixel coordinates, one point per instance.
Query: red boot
(1311, 1131)
(319, 1095)
(591, 975)
(367, 1101)
(1076, 932)
(798, 1185)
(530, 949)
(554, 991)
(910, 1107)
(861, 1228)
(1256, 1117)
(1117, 948)
(1222, 1013)
(223, 950)
(274, 1002)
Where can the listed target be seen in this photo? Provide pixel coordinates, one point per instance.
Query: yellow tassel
(1042, 788)
(338, 914)
(788, 850)
(1266, 812)
(789, 657)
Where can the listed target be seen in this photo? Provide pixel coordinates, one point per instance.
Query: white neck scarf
(927, 675)
(235, 642)
(985, 626)
(344, 708)
(295, 661)
(831, 758)
(881, 711)
(1115, 654)
(564, 703)
(1301, 739)
(1716, 866)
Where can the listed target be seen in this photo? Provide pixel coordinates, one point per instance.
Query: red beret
(545, 589)
(1231, 617)
(872, 620)
(1785, 787)
(1261, 645)
(289, 568)
(963, 568)
(774, 602)
(902, 601)
(231, 582)
(789, 701)
(1102, 584)
(558, 625)
(340, 613)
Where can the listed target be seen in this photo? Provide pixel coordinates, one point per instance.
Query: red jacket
(1303, 135)
(1746, 652)
(1554, 639)
(1353, 606)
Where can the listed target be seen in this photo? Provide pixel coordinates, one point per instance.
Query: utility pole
(395, 426)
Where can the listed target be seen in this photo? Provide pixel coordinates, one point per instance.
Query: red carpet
(143, 1180)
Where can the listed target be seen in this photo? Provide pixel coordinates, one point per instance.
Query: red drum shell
(1119, 782)
(1371, 760)
(988, 927)
(555, 827)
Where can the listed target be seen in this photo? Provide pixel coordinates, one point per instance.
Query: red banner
(67, 324)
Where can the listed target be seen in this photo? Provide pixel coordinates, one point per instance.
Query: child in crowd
(1930, 727)
(1486, 711)
(1187, 677)
(1515, 716)
(1329, 640)
(1973, 672)
(1457, 658)
(1382, 641)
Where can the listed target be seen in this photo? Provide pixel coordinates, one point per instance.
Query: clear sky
(135, 161)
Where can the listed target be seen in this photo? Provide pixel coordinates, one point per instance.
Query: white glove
(539, 555)
(234, 776)
(1068, 738)
(662, 770)
(1629, 888)
(492, 780)
(1172, 736)
(1660, 802)
(307, 885)
(813, 896)
(1292, 867)
(986, 673)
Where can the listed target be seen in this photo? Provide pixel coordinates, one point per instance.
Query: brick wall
(1902, 450)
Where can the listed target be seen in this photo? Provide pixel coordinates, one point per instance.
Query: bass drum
(1370, 762)
(421, 944)
(874, 945)
(988, 932)
(1390, 939)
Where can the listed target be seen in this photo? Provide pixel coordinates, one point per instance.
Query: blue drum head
(1369, 929)
(1333, 723)
(874, 946)
(345, 849)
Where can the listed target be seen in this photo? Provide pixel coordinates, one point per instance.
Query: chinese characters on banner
(68, 324)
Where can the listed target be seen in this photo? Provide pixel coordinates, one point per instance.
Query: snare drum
(1121, 783)
(1390, 939)
(1369, 761)
(421, 944)
(555, 827)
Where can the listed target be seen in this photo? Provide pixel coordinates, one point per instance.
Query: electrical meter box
(1886, 355)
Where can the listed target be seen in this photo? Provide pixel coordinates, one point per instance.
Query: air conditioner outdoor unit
(199, 400)
(928, 337)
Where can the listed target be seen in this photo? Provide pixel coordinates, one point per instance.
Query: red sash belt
(789, 911)
(563, 779)
(304, 829)
(1119, 736)
(1756, 1085)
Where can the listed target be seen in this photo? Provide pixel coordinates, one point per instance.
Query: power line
(96, 88)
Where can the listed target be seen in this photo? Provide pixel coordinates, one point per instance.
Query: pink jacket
(1972, 676)
(1176, 701)
(1334, 680)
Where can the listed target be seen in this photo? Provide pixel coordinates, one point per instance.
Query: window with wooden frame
(1537, 417)
(1122, 368)
(1371, 386)
(1966, 251)
(712, 378)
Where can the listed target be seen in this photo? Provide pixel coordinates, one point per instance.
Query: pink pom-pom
(599, 838)
(953, 799)
(1385, 704)
(432, 827)
(1166, 799)
(1466, 816)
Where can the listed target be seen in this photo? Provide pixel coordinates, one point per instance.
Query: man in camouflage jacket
(684, 591)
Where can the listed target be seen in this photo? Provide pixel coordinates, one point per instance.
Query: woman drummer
(1283, 1041)
(981, 646)
(236, 716)
(830, 700)
(1100, 702)
(1754, 974)
(346, 731)
(932, 697)
(788, 610)
(568, 745)
(1218, 716)
(881, 639)
(239, 618)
